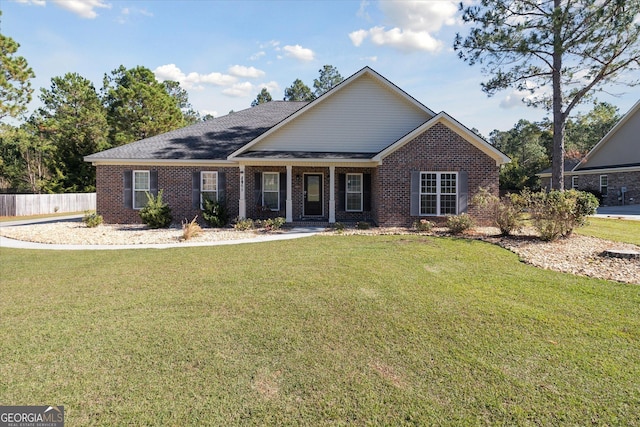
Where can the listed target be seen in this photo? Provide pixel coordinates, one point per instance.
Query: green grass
(617, 230)
(344, 330)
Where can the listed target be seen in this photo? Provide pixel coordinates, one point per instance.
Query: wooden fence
(39, 204)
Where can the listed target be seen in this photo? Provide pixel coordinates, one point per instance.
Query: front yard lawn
(618, 230)
(346, 330)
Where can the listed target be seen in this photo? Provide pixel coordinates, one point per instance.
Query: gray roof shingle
(211, 140)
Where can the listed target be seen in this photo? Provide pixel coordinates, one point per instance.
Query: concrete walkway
(631, 212)
(294, 233)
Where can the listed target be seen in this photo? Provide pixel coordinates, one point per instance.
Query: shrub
(363, 225)
(459, 223)
(215, 213)
(190, 229)
(271, 224)
(423, 226)
(505, 212)
(244, 224)
(156, 213)
(92, 219)
(555, 214)
(338, 226)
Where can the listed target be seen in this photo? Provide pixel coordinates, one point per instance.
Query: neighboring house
(612, 167)
(364, 151)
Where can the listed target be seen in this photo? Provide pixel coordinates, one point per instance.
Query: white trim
(332, 194)
(574, 182)
(454, 126)
(594, 171)
(161, 162)
(271, 191)
(134, 189)
(202, 191)
(242, 203)
(321, 193)
(347, 192)
(607, 186)
(310, 162)
(289, 201)
(365, 71)
(438, 194)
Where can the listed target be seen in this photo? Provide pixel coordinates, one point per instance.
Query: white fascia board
(310, 162)
(327, 96)
(161, 162)
(609, 135)
(455, 126)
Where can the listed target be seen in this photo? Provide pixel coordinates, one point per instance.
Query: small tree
(298, 91)
(263, 96)
(329, 77)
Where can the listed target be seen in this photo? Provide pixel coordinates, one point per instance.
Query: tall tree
(75, 122)
(138, 106)
(24, 158)
(181, 97)
(15, 73)
(263, 96)
(298, 91)
(329, 77)
(587, 129)
(574, 46)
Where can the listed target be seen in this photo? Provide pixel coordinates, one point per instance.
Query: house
(612, 168)
(364, 151)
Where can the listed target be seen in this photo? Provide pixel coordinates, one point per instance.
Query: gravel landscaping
(580, 255)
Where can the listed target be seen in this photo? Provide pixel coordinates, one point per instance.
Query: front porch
(306, 193)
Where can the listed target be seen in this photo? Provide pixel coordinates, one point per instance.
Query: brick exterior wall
(438, 149)
(615, 181)
(176, 183)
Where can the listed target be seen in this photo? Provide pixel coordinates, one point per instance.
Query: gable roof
(455, 126)
(620, 147)
(363, 111)
(210, 140)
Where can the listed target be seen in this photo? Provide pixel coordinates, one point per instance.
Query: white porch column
(289, 206)
(332, 194)
(242, 205)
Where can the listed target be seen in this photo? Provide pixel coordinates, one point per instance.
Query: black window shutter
(257, 185)
(415, 193)
(342, 188)
(283, 190)
(127, 192)
(153, 182)
(195, 190)
(366, 192)
(463, 191)
(222, 186)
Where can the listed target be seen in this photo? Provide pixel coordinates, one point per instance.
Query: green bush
(244, 224)
(423, 225)
(156, 213)
(505, 212)
(555, 214)
(92, 219)
(459, 223)
(271, 224)
(363, 225)
(215, 213)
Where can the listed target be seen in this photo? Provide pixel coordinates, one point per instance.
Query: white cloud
(412, 25)
(34, 2)
(369, 58)
(299, 52)
(362, 11)
(239, 90)
(257, 55)
(192, 80)
(245, 72)
(82, 8)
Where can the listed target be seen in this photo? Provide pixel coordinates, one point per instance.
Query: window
(574, 182)
(141, 186)
(438, 193)
(271, 190)
(354, 192)
(208, 187)
(604, 185)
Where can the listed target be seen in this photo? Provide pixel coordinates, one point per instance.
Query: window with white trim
(574, 182)
(141, 186)
(354, 192)
(604, 185)
(438, 193)
(271, 190)
(208, 187)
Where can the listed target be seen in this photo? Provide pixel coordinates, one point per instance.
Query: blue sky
(224, 52)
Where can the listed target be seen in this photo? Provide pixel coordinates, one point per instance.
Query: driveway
(622, 212)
